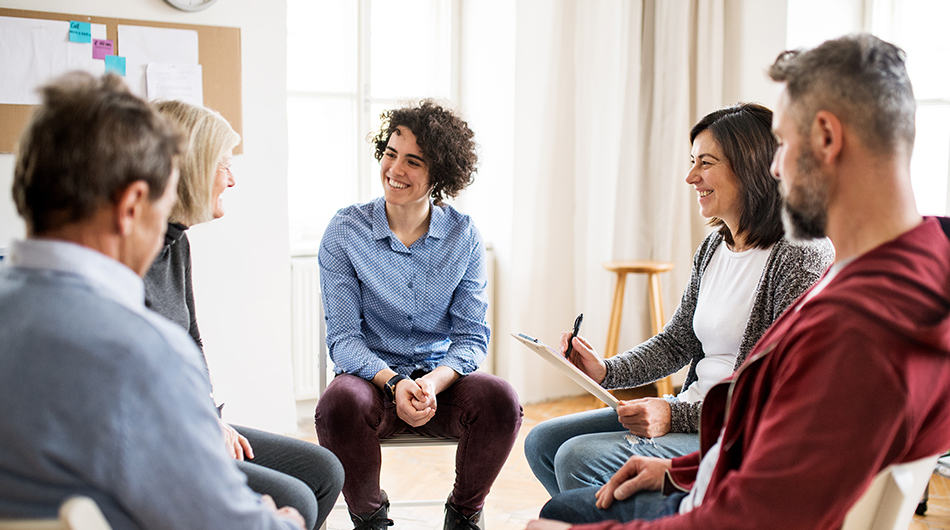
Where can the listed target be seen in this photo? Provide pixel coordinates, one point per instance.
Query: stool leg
(657, 319)
(656, 304)
(616, 312)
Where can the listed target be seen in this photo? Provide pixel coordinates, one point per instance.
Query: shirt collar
(174, 232)
(107, 275)
(438, 222)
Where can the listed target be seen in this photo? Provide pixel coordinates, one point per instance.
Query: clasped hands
(646, 417)
(415, 401)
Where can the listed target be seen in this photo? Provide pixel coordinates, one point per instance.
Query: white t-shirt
(726, 295)
(706, 466)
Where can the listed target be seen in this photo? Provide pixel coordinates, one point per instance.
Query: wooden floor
(516, 498)
(938, 507)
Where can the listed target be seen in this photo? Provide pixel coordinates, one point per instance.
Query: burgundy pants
(479, 410)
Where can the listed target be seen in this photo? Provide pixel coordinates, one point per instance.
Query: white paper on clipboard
(568, 369)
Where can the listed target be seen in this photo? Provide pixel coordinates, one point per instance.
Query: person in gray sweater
(102, 397)
(294, 472)
(744, 275)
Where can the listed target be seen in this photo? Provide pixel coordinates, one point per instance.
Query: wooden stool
(652, 269)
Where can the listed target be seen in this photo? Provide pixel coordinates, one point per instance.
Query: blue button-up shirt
(403, 308)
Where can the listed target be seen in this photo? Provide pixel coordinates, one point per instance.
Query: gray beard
(801, 226)
(808, 218)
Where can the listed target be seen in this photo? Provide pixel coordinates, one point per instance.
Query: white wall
(754, 36)
(838, 17)
(241, 262)
(487, 84)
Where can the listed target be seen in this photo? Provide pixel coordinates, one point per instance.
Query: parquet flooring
(938, 507)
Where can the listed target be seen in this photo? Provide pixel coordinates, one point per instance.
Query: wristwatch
(390, 387)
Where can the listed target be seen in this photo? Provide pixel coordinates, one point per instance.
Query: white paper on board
(175, 81)
(33, 51)
(142, 46)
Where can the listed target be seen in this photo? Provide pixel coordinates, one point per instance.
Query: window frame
(363, 103)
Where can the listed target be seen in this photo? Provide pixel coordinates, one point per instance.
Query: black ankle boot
(456, 521)
(378, 520)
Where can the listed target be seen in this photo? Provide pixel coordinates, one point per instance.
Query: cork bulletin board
(219, 54)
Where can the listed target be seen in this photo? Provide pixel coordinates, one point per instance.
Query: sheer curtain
(606, 93)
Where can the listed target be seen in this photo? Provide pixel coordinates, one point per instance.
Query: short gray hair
(861, 79)
(86, 143)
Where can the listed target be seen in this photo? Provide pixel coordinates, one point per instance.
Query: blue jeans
(587, 448)
(294, 472)
(577, 506)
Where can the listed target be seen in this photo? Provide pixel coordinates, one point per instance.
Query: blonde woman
(293, 472)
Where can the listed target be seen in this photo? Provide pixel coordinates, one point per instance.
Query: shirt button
(410, 285)
(410, 317)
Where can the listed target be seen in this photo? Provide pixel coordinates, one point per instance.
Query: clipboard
(568, 369)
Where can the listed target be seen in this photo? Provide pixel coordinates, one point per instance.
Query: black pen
(577, 327)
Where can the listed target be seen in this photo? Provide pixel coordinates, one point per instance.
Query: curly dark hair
(445, 140)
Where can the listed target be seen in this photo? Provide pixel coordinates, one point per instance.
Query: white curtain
(606, 92)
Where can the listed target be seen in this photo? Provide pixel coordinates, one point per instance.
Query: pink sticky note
(101, 48)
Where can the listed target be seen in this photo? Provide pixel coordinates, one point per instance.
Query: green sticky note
(115, 65)
(80, 31)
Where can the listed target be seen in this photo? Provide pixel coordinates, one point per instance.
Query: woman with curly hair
(403, 281)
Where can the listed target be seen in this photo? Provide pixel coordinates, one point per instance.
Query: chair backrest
(945, 224)
(77, 513)
(890, 500)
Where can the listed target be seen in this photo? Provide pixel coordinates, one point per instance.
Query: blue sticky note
(80, 31)
(115, 65)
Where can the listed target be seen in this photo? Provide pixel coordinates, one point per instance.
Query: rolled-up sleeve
(470, 332)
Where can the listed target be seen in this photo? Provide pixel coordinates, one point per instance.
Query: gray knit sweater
(791, 269)
(168, 289)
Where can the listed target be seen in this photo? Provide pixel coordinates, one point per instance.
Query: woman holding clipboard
(743, 277)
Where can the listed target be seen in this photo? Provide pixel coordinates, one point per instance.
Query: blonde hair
(208, 137)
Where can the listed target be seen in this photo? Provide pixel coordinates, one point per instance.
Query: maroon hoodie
(840, 387)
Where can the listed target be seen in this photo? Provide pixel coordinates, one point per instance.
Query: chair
(652, 269)
(890, 500)
(77, 513)
(408, 439)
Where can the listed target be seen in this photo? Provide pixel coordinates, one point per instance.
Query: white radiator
(311, 370)
(308, 328)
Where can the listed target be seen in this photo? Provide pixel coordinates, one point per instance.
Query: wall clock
(190, 5)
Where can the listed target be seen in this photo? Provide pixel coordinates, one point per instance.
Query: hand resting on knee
(638, 474)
